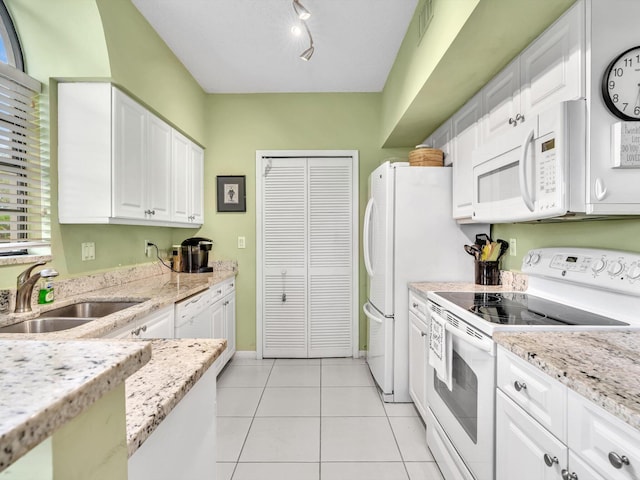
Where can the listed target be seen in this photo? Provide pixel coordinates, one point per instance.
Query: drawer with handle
(418, 306)
(542, 397)
(608, 444)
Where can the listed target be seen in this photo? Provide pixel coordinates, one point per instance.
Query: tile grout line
(252, 420)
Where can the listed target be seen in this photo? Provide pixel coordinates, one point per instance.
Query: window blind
(24, 171)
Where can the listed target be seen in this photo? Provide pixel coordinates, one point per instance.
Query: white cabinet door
(552, 67)
(158, 325)
(196, 176)
(418, 363)
(580, 469)
(521, 445)
(158, 170)
(466, 130)
(441, 139)
(129, 156)
(180, 177)
(230, 323)
(501, 102)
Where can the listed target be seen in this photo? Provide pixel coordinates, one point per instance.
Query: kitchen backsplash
(69, 287)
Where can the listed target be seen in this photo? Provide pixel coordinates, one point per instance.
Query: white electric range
(569, 289)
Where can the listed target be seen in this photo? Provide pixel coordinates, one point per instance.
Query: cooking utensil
(504, 246)
(482, 239)
(473, 250)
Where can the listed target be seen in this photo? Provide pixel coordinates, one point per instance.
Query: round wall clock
(621, 85)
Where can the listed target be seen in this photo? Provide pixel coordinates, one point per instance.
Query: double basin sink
(71, 316)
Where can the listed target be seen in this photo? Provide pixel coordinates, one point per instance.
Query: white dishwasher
(194, 316)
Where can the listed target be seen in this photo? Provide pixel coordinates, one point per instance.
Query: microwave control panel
(546, 171)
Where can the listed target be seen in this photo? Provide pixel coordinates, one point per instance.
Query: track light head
(301, 11)
(307, 54)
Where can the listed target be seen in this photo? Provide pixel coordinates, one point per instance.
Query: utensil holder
(487, 273)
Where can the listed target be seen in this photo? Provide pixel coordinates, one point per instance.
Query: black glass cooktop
(515, 308)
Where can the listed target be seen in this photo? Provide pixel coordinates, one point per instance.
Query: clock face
(621, 85)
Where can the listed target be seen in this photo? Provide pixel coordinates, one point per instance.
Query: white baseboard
(245, 354)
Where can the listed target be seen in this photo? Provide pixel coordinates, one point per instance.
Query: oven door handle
(469, 340)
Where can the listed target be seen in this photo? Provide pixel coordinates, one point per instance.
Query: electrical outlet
(241, 242)
(88, 251)
(148, 247)
(513, 247)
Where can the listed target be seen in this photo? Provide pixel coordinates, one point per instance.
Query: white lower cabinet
(598, 445)
(224, 321)
(184, 444)
(418, 353)
(159, 324)
(524, 449)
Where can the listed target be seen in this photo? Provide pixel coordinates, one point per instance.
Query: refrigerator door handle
(365, 238)
(371, 314)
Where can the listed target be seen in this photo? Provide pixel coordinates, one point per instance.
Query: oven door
(466, 412)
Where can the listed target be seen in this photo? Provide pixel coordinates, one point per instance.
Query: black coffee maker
(195, 255)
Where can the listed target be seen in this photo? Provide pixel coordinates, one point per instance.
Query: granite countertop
(601, 366)
(153, 391)
(45, 384)
(153, 292)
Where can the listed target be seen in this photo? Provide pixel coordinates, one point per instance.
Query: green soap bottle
(46, 291)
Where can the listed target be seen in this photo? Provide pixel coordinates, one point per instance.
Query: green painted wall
(238, 125)
(612, 234)
(109, 40)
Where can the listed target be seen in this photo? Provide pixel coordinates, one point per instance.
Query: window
(24, 176)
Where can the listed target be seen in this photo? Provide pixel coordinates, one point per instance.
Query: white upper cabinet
(549, 71)
(188, 169)
(159, 169)
(441, 139)
(115, 160)
(466, 137)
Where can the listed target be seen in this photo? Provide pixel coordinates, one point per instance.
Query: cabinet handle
(153, 212)
(549, 460)
(219, 292)
(144, 328)
(618, 461)
(568, 476)
(519, 386)
(513, 122)
(415, 305)
(519, 118)
(423, 334)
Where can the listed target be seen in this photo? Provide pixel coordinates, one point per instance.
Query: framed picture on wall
(231, 193)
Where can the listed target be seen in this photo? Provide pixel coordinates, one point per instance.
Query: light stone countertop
(154, 292)
(45, 384)
(175, 365)
(602, 366)
(153, 391)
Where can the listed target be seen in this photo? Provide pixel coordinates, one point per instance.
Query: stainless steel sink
(71, 316)
(87, 310)
(43, 325)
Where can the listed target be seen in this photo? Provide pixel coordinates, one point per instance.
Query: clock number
(625, 106)
(628, 62)
(618, 72)
(620, 85)
(612, 84)
(615, 98)
(636, 111)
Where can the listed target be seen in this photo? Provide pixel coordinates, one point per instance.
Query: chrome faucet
(25, 285)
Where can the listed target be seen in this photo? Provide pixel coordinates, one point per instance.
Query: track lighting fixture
(303, 13)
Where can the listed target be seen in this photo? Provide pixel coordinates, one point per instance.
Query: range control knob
(535, 258)
(615, 268)
(634, 272)
(599, 266)
(527, 258)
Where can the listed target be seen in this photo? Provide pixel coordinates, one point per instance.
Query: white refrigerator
(409, 236)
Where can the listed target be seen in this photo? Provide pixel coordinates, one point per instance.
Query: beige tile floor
(315, 420)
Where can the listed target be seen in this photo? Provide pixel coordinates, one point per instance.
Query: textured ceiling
(246, 46)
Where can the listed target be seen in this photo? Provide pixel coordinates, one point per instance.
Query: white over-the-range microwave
(535, 171)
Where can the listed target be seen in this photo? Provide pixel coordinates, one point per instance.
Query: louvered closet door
(285, 249)
(330, 256)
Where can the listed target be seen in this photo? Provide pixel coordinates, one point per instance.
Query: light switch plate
(241, 242)
(513, 247)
